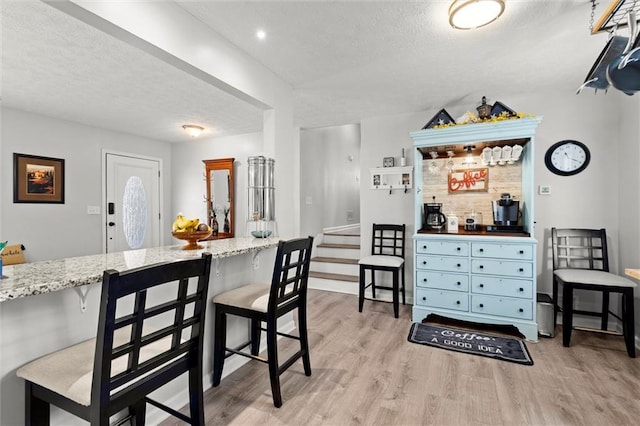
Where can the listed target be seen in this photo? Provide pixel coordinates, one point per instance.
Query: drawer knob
(521, 251)
(481, 250)
(424, 247)
(481, 266)
(481, 285)
(521, 289)
(458, 248)
(424, 298)
(458, 283)
(520, 310)
(458, 265)
(424, 262)
(424, 280)
(457, 302)
(482, 305)
(521, 270)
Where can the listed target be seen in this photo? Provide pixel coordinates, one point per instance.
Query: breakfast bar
(48, 305)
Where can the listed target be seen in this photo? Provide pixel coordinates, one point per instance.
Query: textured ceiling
(56, 65)
(345, 61)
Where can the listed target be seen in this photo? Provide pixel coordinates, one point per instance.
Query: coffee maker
(433, 217)
(506, 213)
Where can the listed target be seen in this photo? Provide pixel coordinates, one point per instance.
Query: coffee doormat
(471, 342)
(506, 330)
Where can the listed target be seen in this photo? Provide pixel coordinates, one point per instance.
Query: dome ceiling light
(470, 14)
(193, 130)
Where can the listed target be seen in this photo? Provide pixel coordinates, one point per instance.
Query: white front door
(132, 188)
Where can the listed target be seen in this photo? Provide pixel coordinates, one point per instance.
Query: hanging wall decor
(441, 118)
(38, 179)
(469, 180)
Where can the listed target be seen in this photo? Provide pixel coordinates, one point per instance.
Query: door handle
(112, 224)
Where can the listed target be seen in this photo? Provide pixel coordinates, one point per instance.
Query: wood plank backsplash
(507, 178)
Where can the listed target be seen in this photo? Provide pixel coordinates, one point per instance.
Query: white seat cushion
(252, 296)
(588, 276)
(382, 260)
(69, 371)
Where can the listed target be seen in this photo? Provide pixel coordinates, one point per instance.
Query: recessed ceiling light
(261, 34)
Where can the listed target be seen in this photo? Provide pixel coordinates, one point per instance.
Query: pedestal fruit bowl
(192, 238)
(191, 231)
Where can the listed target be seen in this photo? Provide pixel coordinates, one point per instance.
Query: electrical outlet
(93, 209)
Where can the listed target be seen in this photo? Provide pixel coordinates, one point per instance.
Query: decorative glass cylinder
(261, 181)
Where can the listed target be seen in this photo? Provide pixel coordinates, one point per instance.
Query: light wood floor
(365, 372)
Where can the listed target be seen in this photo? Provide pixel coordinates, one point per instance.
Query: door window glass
(134, 212)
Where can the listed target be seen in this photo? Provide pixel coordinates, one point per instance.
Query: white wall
(386, 137)
(329, 178)
(53, 231)
(589, 199)
(188, 185)
(629, 188)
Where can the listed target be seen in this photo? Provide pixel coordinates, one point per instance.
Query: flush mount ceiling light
(470, 14)
(193, 130)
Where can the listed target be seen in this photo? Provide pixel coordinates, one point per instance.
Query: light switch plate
(93, 209)
(544, 190)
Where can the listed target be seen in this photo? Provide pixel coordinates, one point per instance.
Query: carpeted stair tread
(344, 246)
(335, 260)
(337, 277)
(343, 234)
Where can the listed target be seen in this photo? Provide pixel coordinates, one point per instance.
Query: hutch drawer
(502, 286)
(502, 306)
(450, 248)
(502, 251)
(442, 263)
(443, 299)
(499, 267)
(442, 280)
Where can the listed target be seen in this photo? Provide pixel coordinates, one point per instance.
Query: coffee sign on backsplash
(468, 180)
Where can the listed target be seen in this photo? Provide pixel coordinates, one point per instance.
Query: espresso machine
(434, 219)
(506, 214)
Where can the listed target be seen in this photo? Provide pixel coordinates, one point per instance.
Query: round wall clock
(567, 158)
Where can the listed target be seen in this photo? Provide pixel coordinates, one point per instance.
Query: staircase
(335, 264)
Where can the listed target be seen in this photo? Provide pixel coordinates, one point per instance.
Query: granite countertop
(634, 273)
(29, 279)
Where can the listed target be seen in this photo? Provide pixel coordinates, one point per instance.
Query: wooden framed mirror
(219, 180)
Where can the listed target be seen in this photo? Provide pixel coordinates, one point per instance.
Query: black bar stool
(387, 254)
(266, 303)
(129, 359)
(580, 261)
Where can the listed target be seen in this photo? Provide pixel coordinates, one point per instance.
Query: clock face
(566, 158)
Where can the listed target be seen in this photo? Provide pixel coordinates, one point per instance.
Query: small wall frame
(38, 179)
(391, 178)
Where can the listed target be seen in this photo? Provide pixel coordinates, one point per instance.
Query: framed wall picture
(38, 179)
